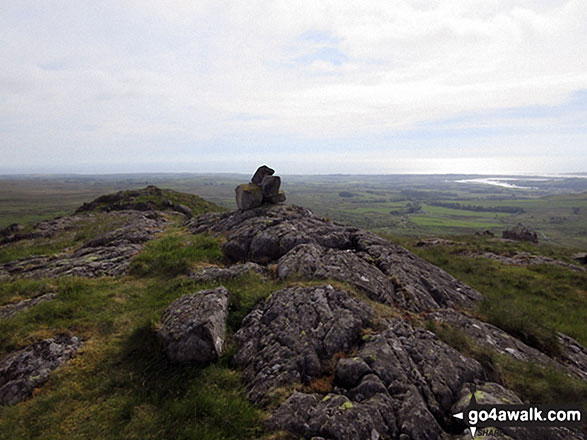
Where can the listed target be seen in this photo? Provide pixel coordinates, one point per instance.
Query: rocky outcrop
(386, 271)
(520, 233)
(401, 384)
(150, 198)
(573, 361)
(524, 259)
(193, 328)
(263, 188)
(23, 371)
(214, 273)
(580, 257)
(107, 255)
(494, 394)
(293, 336)
(312, 261)
(356, 376)
(11, 309)
(44, 229)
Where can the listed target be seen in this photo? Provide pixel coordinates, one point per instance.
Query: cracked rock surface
(395, 275)
(378, 378)
(109, 254)
(402, 382)
(292, 337)
(24, 370)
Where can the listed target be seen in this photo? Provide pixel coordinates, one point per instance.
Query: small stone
(248, 196)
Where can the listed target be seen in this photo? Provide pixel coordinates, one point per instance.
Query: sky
(307, 87)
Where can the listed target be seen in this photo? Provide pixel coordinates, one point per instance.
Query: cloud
(147, 75)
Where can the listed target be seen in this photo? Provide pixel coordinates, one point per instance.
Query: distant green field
(452, 223)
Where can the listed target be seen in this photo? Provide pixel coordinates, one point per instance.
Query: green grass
(83, 230)
(531, 382)
(120, 385)
(530, 302)
(174, 254)
(153, 197)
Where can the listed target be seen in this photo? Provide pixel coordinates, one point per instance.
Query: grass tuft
(175, 254)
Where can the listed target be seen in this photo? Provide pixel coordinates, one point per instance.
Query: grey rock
(574, 355)
(248, 196)
(193, 328)
(524, 259)
(267, 233)
(9, 310)
(277, 198)
(316, 262)
(178, 207)
(520, 233)
(107, 255)
(494, 394)
(227, 273)
(261, 172)
(573, 360)
(299, 329)
(270, 186)
(23, 371)
(580, 257)
(408, 382)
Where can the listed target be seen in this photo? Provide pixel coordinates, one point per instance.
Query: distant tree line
(457, 205)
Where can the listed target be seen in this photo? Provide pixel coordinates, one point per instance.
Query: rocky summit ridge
(392, 378)
(340, 352)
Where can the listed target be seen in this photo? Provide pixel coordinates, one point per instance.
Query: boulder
(261, 172)
(193, 328)
(23, 371)
(270, 186)
(248, 196)
(520, 233)
(580, 257)
(277, 198)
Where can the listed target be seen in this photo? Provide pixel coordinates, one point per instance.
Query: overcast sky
(336, 86)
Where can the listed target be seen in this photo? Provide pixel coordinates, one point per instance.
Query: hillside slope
(333, 332)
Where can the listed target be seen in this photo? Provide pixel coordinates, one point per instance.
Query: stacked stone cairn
(263, 188)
